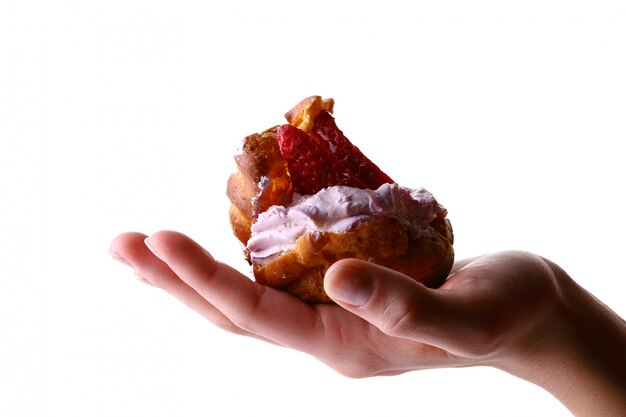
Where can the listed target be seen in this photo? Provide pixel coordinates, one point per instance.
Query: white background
(124, 115)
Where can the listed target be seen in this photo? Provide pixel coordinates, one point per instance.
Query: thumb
(401, 307)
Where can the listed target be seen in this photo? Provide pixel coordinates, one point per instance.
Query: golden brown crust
(429, 259)
(241, 223)
(383, 240)
(304, 113)
(261, 181)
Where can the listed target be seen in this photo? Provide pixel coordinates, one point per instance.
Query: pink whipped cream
(340, 209)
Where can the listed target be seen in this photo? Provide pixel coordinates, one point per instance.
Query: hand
(503, 310)
(400, 326)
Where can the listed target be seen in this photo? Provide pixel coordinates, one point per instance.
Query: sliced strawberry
(310, 163)
(325, 157)
(352, 159)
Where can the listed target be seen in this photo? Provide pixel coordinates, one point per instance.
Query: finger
(461, 263)
(130, 249)
(261, 310)
(401, 307)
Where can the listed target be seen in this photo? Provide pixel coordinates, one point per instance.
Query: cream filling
(339, 209)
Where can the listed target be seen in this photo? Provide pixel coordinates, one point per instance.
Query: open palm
(489, 305)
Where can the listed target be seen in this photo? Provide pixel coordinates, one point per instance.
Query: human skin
(514, 311)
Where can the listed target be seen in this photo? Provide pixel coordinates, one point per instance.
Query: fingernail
(119, 258)
(141, 279)
(146, 241)
(350, 285)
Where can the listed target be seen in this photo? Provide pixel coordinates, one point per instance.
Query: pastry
(304, 196)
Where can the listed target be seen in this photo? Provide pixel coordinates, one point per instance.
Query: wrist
(576, 353)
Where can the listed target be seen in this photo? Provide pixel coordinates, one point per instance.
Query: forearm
(581, 354)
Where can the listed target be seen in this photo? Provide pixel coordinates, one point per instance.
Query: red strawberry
(325, 157)
(352, 158)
